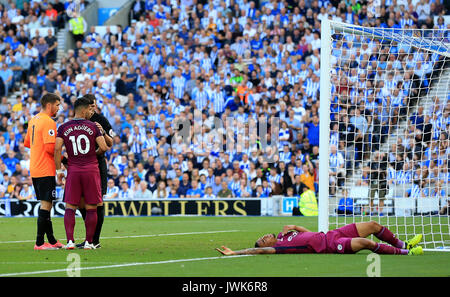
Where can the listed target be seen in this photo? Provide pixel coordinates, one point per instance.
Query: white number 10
(76, 144)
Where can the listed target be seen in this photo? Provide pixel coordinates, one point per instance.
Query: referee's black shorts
(103, 168)
(45, 188)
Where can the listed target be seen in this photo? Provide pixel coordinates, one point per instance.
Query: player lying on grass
(348, 239)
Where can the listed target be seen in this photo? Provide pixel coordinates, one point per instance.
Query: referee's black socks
(83, 213)
(98, 229)
(100, 219)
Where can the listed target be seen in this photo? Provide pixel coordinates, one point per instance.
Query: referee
(109, 134)
(40, 139)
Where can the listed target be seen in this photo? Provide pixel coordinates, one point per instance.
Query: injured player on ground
(348, 239)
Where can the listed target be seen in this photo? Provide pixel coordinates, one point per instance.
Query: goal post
(384, 130)
(324, 120)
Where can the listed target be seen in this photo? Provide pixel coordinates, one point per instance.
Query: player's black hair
(49, 98)
(256, 245)
(90, 97)
(80, 103)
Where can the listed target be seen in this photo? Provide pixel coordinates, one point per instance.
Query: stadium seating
(167, 63)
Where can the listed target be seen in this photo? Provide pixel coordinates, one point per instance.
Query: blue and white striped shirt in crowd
(267, 191)
(155, 61)
(403, 177)
(444, 177)
(201, 98)
(390, 84)
(218, 101)
(334, 138)
(198, 56)
(178, 84)
(238, 47)
(354, 96)
(323, 3)
(371, 105)
(136, 142)
(392, 175)
(404, 22)
(206, 63)
(128, 194)
(283, 138)
(177, 109)
(219, 24)
(153, 117)
(111, 191)
(336, 160)
(415, 191)
(150, 145)
(275, 46)
(235, 186)
(251, 13)
(241, 117)
(173, 159)
(437, 125)
(268, 18)
(311, 87)
(304, 74)
(298, 170)
(245, 166)
(293, 79)
(204, 22)
(285, 157)
(170, 68)
(213, 56)
(397, 101)
(274, 178)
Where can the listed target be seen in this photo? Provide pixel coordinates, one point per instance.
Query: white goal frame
(325, 101)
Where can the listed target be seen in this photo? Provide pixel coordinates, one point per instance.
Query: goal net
(384, 127)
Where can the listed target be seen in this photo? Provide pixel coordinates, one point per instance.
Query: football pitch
(185, 247)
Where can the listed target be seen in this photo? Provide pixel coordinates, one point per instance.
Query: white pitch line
(139, 236)
(121, 265)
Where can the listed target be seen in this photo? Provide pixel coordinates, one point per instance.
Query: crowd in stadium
(246, 60)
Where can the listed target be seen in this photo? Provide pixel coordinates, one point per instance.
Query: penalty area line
(139, 236)
(72, 270)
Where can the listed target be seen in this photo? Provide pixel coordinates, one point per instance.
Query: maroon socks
(382, 248)
(90, 224)
(387, 236)
(395, 246)
(69, 223)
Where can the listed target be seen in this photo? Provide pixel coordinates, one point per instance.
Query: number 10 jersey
(79, 136)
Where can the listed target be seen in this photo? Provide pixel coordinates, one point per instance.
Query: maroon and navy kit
(334, 241)
(83, 176)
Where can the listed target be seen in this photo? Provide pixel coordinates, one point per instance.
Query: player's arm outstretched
(251, 251)
(288, 228)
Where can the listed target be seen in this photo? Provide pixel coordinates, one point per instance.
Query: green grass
(150, 242)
